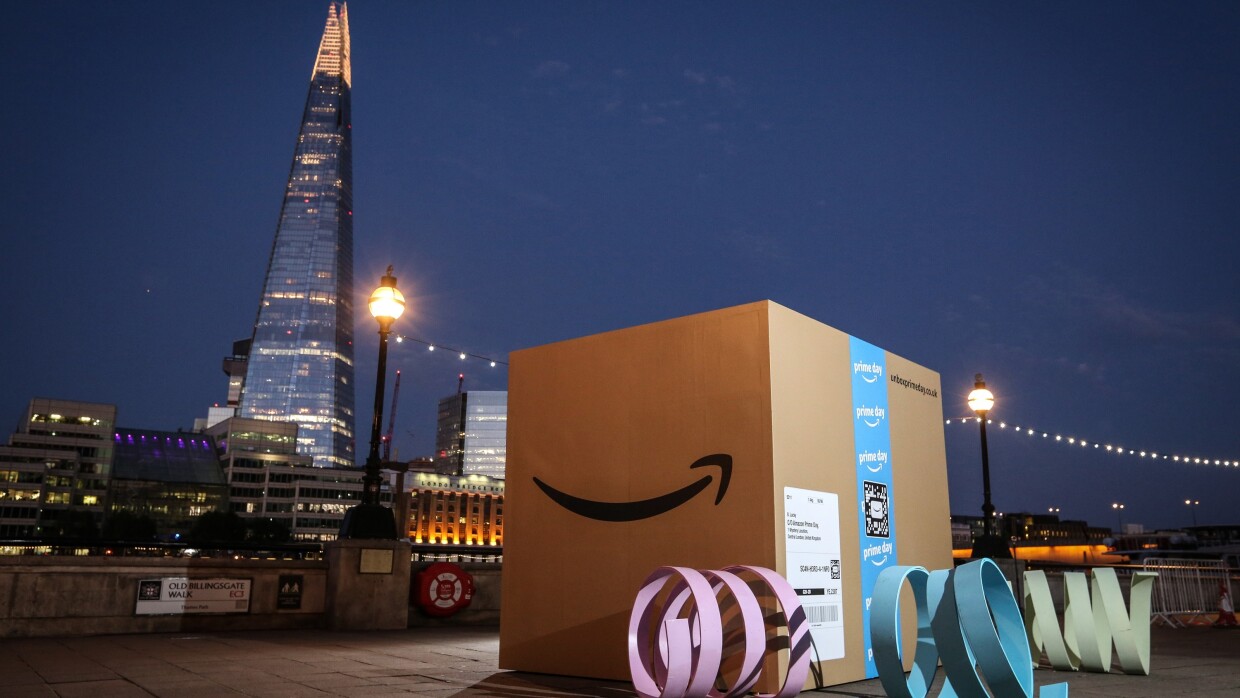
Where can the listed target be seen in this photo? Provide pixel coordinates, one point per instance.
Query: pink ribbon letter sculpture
(677, 647)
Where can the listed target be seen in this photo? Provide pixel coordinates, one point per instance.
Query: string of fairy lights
(1074, 441)
(461, 353)
(1113, 449)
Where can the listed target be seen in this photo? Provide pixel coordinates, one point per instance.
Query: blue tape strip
(876, 519)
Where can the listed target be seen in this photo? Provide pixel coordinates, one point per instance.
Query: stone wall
(55, 595)
(45, 596)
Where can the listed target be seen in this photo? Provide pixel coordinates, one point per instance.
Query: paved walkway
(446, 662)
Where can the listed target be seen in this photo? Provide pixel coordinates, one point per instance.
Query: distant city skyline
(1043, 194)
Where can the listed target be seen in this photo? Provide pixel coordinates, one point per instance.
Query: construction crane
(387, 438)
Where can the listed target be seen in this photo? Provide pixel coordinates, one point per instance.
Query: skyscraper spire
(333, 58)
(300, 367)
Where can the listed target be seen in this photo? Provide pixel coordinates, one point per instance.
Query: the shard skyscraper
(300, 367)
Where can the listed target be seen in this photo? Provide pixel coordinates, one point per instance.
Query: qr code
(835, 569)
(877, 513)
(148, 590)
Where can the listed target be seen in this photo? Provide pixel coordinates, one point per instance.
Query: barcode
(822, 613)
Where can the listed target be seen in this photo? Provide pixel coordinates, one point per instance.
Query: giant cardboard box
(837, 471)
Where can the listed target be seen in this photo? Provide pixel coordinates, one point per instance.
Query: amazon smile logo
(872, 460)
(870, 373)
(645, 508)
(872, 416)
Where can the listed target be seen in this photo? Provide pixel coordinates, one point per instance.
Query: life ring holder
(443, 589)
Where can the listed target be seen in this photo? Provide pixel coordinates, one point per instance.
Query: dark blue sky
(1047, 193)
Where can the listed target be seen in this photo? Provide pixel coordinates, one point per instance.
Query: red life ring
(443, 589)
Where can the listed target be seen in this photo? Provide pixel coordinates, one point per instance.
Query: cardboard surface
(621, 416)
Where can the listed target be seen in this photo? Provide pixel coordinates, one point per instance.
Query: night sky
(1046, 193)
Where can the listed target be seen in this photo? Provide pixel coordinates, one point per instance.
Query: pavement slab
(114, 688)
(195, 691)
(30, 691)
(462, 662)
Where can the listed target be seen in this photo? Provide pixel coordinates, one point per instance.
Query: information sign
(288, 593)
(175, 595)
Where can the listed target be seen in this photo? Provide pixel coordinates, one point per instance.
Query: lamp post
(989, 544)
(1192, 506)
(370, 519)
(1119, 515)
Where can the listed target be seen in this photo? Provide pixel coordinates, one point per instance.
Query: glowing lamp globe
(387, 303)
(981, 399)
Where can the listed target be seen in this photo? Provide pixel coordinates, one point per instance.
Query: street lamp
(1119, 514)
(989, 544)
(370, 519)
(1192, 506)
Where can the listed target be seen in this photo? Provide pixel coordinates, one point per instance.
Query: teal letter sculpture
(1094, 616)
(968, 618)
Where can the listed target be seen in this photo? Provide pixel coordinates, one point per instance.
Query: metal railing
(1188, 590)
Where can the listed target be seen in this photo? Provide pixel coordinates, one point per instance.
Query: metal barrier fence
(1188, 590)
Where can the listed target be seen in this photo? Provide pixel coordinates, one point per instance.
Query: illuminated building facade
(472, 434)
(28, 478)
(456, 510)
(268, 479)
(169, 477)
(54, 472)
(1023, 528)
(300, 364)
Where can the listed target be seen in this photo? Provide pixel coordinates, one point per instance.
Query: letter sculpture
(690, 650)
(1088, 628)
(966, 617)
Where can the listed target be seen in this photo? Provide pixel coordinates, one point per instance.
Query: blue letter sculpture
(966, 617)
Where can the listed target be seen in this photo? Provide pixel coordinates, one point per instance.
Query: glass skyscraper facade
(471, 437)
(300, 367)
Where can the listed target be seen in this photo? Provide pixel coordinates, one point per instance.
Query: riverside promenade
(460, 661)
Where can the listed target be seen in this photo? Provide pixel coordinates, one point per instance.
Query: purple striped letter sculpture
(678, 639)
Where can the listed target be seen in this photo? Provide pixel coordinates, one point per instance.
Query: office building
(300, 361)
(168, 477)
(29, 477)
(67, 468)
(268, 479)
(456, 510)
(471, 434)
(54, 472)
